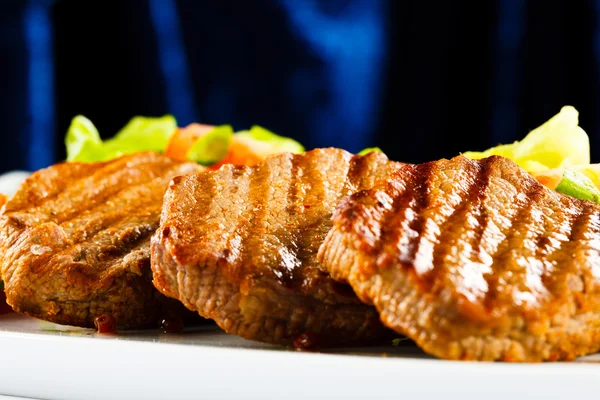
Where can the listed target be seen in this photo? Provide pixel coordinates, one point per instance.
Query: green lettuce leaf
(147, 133)
(140, 134)
(369, 150)
(397, 341)
(558, 142)
(266, 142)
(82, 139)
(578, 185)
(212, 147)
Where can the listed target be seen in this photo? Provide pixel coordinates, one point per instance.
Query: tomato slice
(240, 154)
(549, 178)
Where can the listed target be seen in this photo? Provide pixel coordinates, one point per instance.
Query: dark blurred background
(420, 79)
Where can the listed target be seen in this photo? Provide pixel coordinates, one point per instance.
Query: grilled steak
(75, 241)
(473, 260)
(239, 245)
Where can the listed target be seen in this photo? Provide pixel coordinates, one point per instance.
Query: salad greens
(212, 147)
(82, 138)
(557, 154)
(397, 341)
(83, 141)
(265, 142)
(559, 142)
(369, 150)
(578, 185)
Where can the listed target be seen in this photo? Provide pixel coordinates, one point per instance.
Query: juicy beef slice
(75, 241)
(473, 260)
(239, 246)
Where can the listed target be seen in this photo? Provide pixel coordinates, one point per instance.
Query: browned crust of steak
(473, 260)
(75, 241)
(239, 245)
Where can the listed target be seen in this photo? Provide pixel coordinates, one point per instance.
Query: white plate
(10, 181)
(205, 363)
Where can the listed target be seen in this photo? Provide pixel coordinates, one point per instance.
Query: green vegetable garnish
(146, 133)
(397, 341)
(265, 142)
(140, 134)
(559, 142)
(578, 185)
(1, 285)
(369, 150)
(82, 139)
(212, 147)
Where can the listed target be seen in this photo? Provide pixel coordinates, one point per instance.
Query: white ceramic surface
(42, 361)
(10, 181)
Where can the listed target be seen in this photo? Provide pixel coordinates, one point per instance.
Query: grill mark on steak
(497, 296)
(292, 210)
(413, 221)
(98, 222)
(465, 207)
(418, 200)
(95, 189)
(244, 225)
(33, 191)
(316, 193)
(357, 173)
(108, 212)
(522, 222)
(585, 229)
(377, 232)
(261, 205)
(555, 246)
(87, 243)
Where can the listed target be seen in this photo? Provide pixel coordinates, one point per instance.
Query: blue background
(420, 79)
